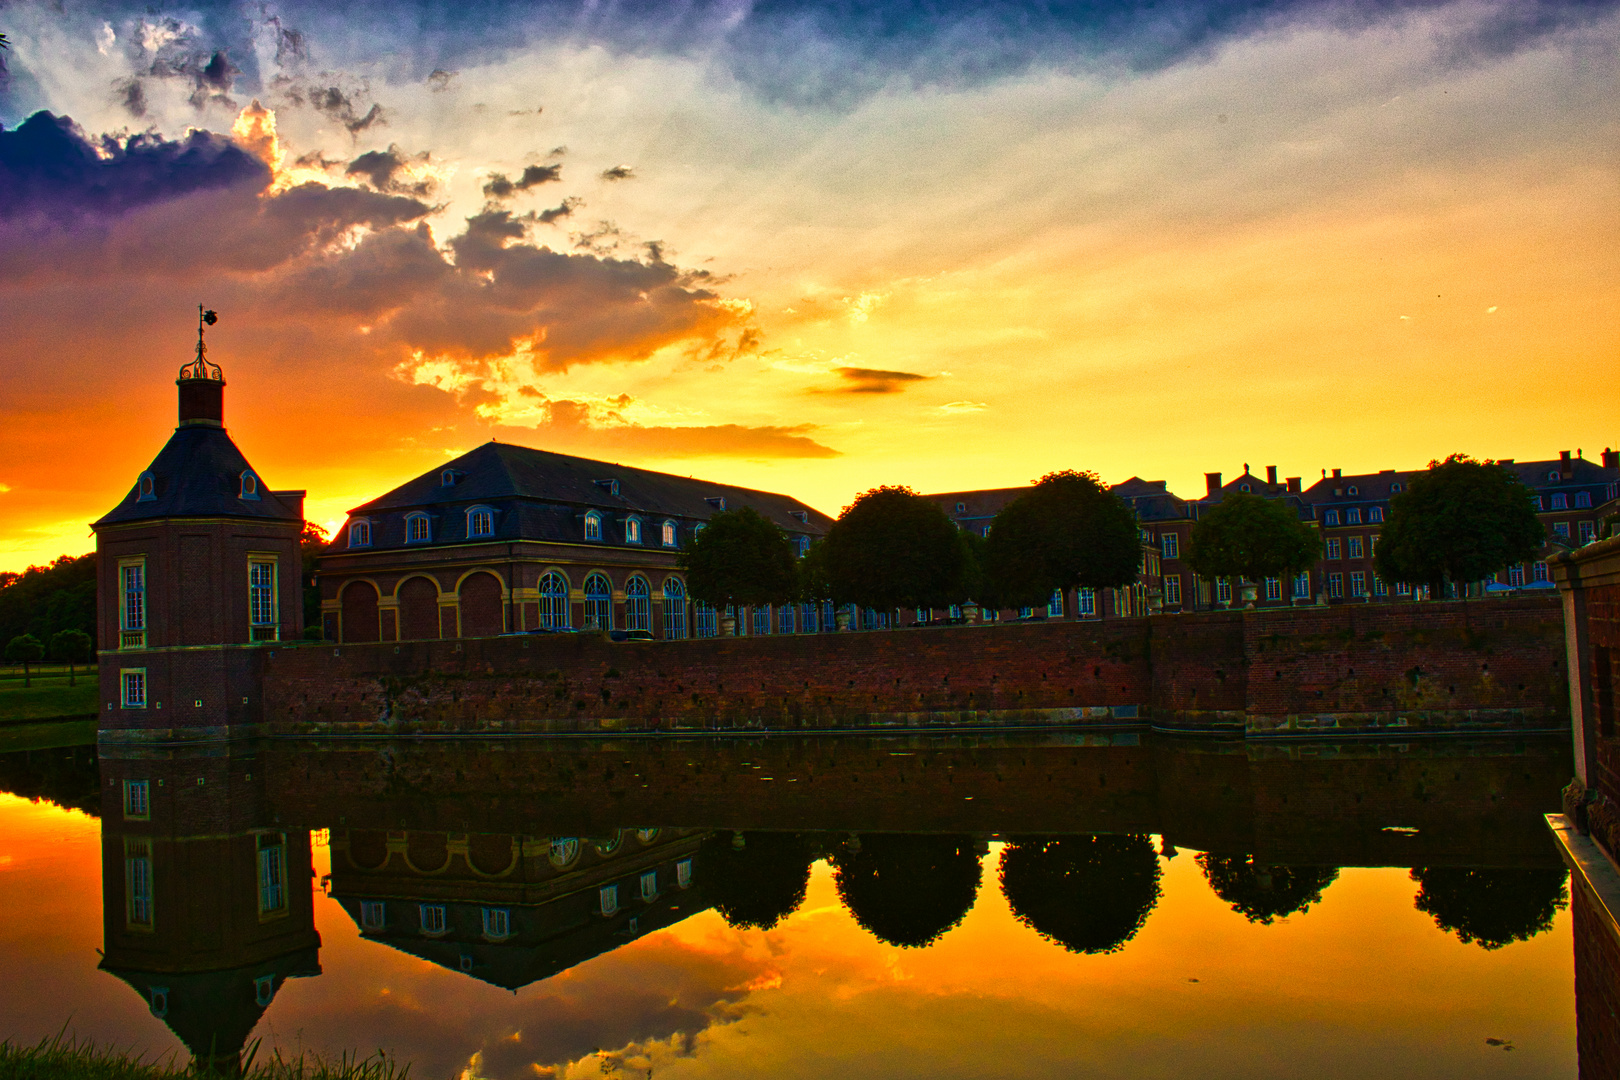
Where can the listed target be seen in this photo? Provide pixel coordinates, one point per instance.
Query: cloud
(393, 171)
(500, 187)
(557, 213)
(599, 427)
(873, 381)
(332, 101)
(441, 80)
(954, 407)
(618, 172)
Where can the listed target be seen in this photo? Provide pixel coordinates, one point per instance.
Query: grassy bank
(73, 1059)
(50, 696)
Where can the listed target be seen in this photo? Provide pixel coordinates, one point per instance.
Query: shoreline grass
(51, 697)
(67, 1057)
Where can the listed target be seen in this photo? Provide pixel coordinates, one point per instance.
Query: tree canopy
(1262, 893)
(908, 890)
(45, 599)
(1252, 537)
(1067, 532)
(739, 557)
(759, 884)
(1089, 894)
(892, 548)
(1461, 521)
(1491, 908)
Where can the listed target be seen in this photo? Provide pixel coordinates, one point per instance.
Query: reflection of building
(511, 909)
(206, 908)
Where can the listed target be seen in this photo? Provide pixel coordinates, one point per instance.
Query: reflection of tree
(1090, 894)
(1263, 893)
(1491, 907)
(908, 890)
(757, 885)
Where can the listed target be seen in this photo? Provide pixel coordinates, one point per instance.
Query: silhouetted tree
(1067, 532)
(27, 649)
(1462, 521)
(759, 884)
(1089, 894)
(891, 548)
(311, 541)
(44, 599)
(1264, 893)
(1491, 908)
(738, 558)
(72, 646)
(908, 890)
(978, 583)
(1250, 536)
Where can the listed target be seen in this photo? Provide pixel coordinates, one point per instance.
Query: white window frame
(1336, 586)
(607, 899)
(683, 874)
(1085, 602)
(415, 523)
(435, 920)
(1539, 572)
(360, 534)
(1170, 545)
(1054, 606)
(1335, 548)
(637, 603)
(554, 607)
(132, 602)
(1331, 518)
(264, 615)
(1375, 515)
(1273, 588)
(593, 526)
(1302, 584)
(132, 688)
(649, 886)
(1354, 548)
(598, 605)
(1560, 501)
(674, 609)
(1588, 531)
(139, 908)
(1172, 588)
(1223, 590)
(1583, 500)
(1561, 529)
(274, 900)
(1358, 583)
(137, 800)
(787, 618)
(705, 620)
(1379, 587)
(1516, 575)
(480, 515)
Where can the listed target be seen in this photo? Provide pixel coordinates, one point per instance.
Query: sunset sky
(805, 247)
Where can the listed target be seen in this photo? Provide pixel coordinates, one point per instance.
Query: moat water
(1107, 905)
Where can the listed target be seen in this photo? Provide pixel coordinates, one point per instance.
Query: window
(961, 508)
(563, 851)
(873, 619)
(272, 873)
(262, 600)
(418, 530)
(1054, 606)
(1375, 514)
(649, 886)
(1538, 572)
(705, 622)
(373, 915)
(1352, 516)
(132, 683)
(1332, 517)
(802, 545)
(448, 478)
(801, 516)
(1560, 501)
(1170, 545)
(807, 619)
(608, 899)
(1223, 590)
(985, 531)
(598, 603)
(1402, 589)
(683, 873)
(1273, 588)
(137, 800)
(1395, 489)
(1561, 530)
(784, 619)
(1536, 501)
(829, 617)
(593, 526)
(667, 534)
(637, 604)
(1172, 589)
(1588, 532)
(497, 923)
(264, 990)
(250, 487)
(761, 621)
(1358, 583)
(480, 521)
(1353, 491)
(1552, 477)
(1516, 575)
(360, 534)
(1583, 500)
(146, 488)
(1355, 547)
(632, 530)
(1336, 586)
(674, 609)
(553, 601)
(433, 920)
(1333, 547)
(1243, 487)
(1302, 585)
(132, 604)
(138, 883)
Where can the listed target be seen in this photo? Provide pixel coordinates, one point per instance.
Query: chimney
(1335, 474)
(1565, 468)
(1271, 475)
(1212, 484)
(1611, 459)
(1293, 485)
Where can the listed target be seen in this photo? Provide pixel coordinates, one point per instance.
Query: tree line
(49, 612)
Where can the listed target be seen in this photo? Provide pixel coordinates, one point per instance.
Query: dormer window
(1552, 477)
(359, 534)
(1560, 501)
(449, 477)
(632, 530)
(1332, 517)
(802, 516)
(961, 508)
(668, 534)
(146, 488)
(1394, 489)
(1352, 516)
(480, 521)
(418, 529)
(1583, 500)
(1352, 490)
(250, 487)
(1375, 514)
(593, 526)
(609, 486)
(1243, 487)
(716, 501)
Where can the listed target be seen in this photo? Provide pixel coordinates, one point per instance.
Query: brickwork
(1597, 987)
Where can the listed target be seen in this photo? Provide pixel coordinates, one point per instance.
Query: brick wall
(1597, 987)
(1483, 664)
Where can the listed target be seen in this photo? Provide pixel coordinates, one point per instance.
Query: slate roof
(198, 473)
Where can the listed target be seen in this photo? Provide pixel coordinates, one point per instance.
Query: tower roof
(200, 473)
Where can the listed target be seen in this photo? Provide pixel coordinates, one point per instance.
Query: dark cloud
(874, 381)
(332, 101)
(381, 169)
(618, 172)
(571, 424)
(441, 80)
(500, 186)
(557, 213)
(181, 54)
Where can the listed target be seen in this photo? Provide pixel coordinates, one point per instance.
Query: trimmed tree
(1249, 536)
(739, 558)
(1461, 521)
(1067, 532)
(27, 649)
(72, 646)
(891, 548)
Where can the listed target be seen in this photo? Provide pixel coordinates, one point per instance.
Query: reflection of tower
(206, 904)
(198, 560)
(511, 909)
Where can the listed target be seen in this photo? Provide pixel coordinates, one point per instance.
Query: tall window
(1355, 547)
(1583, 499)
(593, 526)
(1302, 585)
(1223, 590)
(132, 605)
(762, 620)
(674, 609)
(1588, 532)
(1516, 574)
(1085, 601)
(667, 531)
(632, 530)
(418, 529)
(1170, 545)
(1536, 500)
(649, 886)
(272, 873)
(807, 619)
(1538, 572)
(598, 603)
(637, 604)
(1332, 518)
(1560, 501)
(132, 686)
(1561, 530)
(1172, 589)
(784, 619)
(1358, 583)
(138, 883)
(497, 923)
(262, 600)
(1336, 586)
(1375, 514)
(480, 521)
(553, 601)
(704, 621)
(359, 534)
(373, 914)
(433, 920)
(1273, 588)
(1054, 606)
(137, 800)
(1379, 588)
(607, 898)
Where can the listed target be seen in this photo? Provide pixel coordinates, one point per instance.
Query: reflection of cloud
(873, 381)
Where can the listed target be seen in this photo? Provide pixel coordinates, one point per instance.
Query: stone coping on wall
(1592, 870)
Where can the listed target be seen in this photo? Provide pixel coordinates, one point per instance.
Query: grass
(50, 696)
(67, 1057)
(47, 734)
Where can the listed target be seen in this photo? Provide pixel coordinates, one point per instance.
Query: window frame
(128, 679)
(632, 530)
(140, 895)
(1354, 548)
(275, 899)
(593, 526)
(674, 609)
(1336, 586)
(434, 919)
(1171, 587)
(360, 533)
(1170, 545)
(137, 800)
(497, 923)
(553, 619)
(412, 521)
(264, 600)
(132, 618)
(1331, 517)
(598, 611)
(669, 533)
(637, 604)
(474, 514)
(1333, 548)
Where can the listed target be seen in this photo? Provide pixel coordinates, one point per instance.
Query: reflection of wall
(206, 900)
(511, 909)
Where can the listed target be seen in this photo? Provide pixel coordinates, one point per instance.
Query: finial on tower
(200, 368)
(202, 385)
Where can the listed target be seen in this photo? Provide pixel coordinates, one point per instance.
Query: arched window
(598, 603)
(1552, 477)
(448, 478)
(1394, 489)
(564, 851)
(554, 601)
(250, 486)
(359, 534)
(593, 526)
(637, 604)
(480, 521)
(418, 529)
(674, 609)
(632, 530)
(1352, 490)
(668, 537)
(1054, 606)
(961, 508)
(146, 488)
(1245, 487)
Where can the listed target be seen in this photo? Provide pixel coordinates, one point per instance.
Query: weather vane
(200, 368)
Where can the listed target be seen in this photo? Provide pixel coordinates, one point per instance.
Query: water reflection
(1491, 908)
(755, 880)
(1090, 894)
(1262, 893)
(907, 890)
